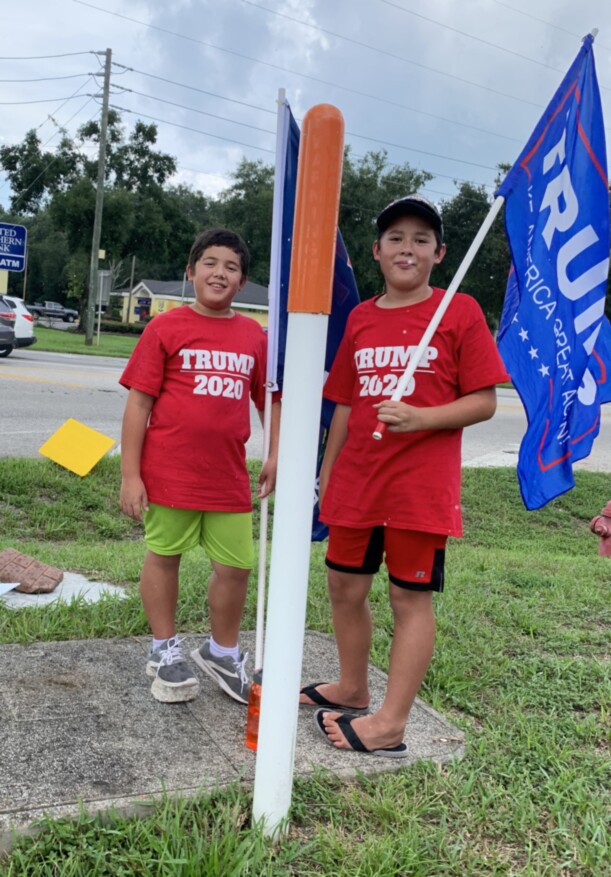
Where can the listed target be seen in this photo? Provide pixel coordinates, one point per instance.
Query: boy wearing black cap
(398, 498)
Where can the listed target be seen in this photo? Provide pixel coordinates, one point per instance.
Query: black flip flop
(345, 723)
(319, 699)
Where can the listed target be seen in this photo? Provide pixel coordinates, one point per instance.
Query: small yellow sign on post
(76, 447)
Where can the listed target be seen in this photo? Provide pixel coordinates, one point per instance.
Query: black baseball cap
(414, 205)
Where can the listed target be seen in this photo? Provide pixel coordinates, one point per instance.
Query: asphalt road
(39, 391)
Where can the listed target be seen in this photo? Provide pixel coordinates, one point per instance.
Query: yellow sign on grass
(76, 447)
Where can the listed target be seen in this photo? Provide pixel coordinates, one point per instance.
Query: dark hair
(220, 237)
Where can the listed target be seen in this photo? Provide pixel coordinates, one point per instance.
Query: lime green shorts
(226, 537)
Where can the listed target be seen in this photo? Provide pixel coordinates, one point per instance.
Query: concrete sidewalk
(78, 726)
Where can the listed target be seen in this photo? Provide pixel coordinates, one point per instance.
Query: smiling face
(217, 278)
(407, 252)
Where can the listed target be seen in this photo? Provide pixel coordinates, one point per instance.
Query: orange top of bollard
(319, 180)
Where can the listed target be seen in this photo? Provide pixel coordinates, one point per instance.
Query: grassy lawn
(521, 664)
(72, 341)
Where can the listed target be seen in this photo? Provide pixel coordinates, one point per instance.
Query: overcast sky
(451, 87)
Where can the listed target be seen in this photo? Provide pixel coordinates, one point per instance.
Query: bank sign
(13, 239)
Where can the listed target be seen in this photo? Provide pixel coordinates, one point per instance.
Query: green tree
(487, 276)
(131, 163)
(48, 254)
(187, 213)
(55, 193)
(368, 185)
(34, 175)
(246, 207)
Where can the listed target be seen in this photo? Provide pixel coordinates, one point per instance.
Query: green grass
(521, 665)
(73, 341)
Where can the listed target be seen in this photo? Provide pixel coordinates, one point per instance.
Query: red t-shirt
(202, 372)
(406, 480)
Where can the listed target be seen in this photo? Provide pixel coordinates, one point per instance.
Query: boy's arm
(338, 432)
(465, 411)
(267, 478)
(135, 419)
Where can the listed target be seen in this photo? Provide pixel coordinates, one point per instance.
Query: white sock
(224, 652)
(157, 643)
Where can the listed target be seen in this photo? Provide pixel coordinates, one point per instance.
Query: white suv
(24, 322)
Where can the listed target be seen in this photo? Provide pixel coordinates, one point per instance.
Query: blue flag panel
(554, 338)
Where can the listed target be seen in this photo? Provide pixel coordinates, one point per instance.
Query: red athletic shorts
(414, 560)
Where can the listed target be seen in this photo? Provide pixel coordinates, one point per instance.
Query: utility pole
(99, 205)
(131, 289)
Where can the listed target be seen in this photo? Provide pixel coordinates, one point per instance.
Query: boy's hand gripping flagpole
(414, 360)
(310, 293)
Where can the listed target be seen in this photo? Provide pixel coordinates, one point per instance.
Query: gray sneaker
(229, 674)
(173, 682)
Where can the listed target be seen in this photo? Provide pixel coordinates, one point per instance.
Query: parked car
(24, 322)
(53, 310)
(7, 328)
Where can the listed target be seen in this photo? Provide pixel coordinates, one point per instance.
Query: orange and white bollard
(319, 177)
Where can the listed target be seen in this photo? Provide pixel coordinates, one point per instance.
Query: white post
(288, 576)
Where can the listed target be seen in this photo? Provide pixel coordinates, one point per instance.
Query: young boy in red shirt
(398, 498)
(183, 459)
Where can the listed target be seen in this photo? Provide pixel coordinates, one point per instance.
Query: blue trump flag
(554, 338)
(344, 296)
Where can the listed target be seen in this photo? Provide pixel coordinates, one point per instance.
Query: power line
(60, 127)
(422, 151)
(49, 100)
(451, 76)
(194, 110)
(543, 21)
(195, 130)
(376, 98)
(44, 57)
(194, 88)
(41, 174)
(390, 164)
(61, 106)
(425, 186)
(349, 133)
(463, 33)
(391, 54)
(48, 78)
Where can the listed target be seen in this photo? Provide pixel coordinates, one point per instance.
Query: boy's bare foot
(332, 696)
(374, 734)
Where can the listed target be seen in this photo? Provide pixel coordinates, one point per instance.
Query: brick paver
(33, 576)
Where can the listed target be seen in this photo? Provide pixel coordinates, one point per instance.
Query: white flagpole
(263, 521)
(414, 360)
(272, 356)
